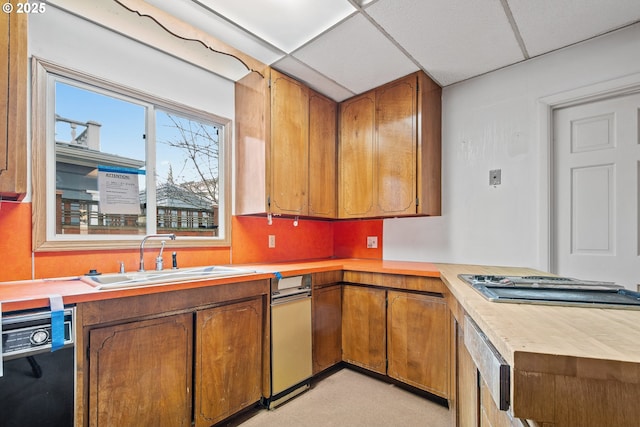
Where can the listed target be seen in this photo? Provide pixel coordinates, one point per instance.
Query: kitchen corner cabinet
(389, 151)
(323, 124)
(13, 105)
(327, 320)
(364, 338)
(402, 334)
(191, 357)
(286, 137)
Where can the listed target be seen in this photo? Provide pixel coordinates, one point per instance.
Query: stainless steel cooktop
(553, 290)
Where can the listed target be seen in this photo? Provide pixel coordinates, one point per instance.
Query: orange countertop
(28, 294)
(611, 334)
(368, 265)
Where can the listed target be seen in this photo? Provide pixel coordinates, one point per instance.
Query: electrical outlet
(495, 176)
(272, 240)
(372, 242)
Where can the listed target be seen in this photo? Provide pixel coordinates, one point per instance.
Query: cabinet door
(228, 362)
(357, 184)
(490, 415)
(327, 327)
(468, 396)
(140, 373)
(13, 105)
(418, 331)
(289, 146)
(364, 328)
(396, 145)
(322, 156)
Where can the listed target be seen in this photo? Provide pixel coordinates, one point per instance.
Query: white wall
(68, 40)
(493, 122)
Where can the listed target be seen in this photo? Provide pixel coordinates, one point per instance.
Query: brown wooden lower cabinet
(475, 406)
(327, 327)
(140, 373)
(468, 396)
(165, 360)
(364, 338)
(418, 341)
(490, 415)
(228, 360)
(406, 338)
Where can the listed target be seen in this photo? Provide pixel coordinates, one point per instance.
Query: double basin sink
(144, 278)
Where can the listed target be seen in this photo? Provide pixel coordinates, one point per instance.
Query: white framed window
(112, 164)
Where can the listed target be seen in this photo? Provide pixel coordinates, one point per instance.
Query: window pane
(188, 166)
(100, 163)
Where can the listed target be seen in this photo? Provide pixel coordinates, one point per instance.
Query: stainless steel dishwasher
(291, 360)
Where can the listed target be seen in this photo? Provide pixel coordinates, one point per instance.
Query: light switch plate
(272, 240)
(495, 177)
(372, 242)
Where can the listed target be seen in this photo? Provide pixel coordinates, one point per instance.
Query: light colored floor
(349, 398)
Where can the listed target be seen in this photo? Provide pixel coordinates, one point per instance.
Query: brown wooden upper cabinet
(286, 147)
(13, 106)
(389, 150)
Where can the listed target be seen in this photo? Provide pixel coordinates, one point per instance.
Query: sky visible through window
(122, 130)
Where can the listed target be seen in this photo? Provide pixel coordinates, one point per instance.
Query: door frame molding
(625, 85)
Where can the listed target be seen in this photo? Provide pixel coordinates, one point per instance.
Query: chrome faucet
(144, 239)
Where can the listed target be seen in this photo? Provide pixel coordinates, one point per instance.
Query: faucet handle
(159, 260)
(159, 263)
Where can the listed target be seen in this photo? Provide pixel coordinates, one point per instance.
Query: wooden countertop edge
(578, 367)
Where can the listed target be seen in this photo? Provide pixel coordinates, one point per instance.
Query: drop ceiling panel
(286, 24)
(345, 47)
(451, 39)
(313, 79)
(356, 55)
(546, 25)
(206, 20)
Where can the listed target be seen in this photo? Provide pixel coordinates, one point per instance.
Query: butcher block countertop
(609, 334)
(570, 366)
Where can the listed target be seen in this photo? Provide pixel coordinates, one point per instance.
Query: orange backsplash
(15, 241)
(310, 239)
(350, 238)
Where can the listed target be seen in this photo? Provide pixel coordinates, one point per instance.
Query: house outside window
(120, 164)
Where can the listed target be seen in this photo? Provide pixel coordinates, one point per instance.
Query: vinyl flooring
(350, 398)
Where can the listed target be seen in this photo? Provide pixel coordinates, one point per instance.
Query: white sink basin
(144, 278)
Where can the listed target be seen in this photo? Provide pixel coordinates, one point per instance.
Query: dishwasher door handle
(283, 299)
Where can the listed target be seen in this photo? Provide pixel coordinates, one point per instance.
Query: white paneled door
(596, 159)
